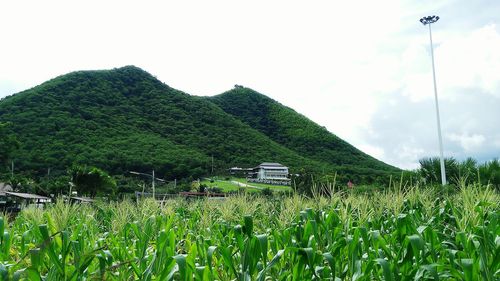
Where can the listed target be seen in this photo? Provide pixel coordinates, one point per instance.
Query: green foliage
(202, 188)
(21, 183)
(214, 189)
(126, 120)
(430, 169)
(460, 173)
(412, 235)
(310, 183)
(53, 185)
(266, 192)
(489, 173)
(130, 184)
(92, 181)
(297, 133)
(8, 144)
(303, 181)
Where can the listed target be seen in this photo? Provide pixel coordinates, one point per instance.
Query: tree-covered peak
(124, 119)
(293, 130)
(244, 92)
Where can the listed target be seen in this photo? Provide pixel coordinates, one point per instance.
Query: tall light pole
(429, 21)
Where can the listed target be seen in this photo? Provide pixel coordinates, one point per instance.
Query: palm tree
(430, 169)
(489, 173)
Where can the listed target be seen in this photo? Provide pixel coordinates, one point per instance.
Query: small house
(16, 201)
(240, 172)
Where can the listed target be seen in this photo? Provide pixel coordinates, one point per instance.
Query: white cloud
(497, 142)
(469, 94)
(406, 154)
(468, 142)
(469, 61)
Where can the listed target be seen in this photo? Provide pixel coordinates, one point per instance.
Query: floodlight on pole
(429, 20)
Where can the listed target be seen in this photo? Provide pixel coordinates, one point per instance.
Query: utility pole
(153, 184)
(212, 164)
(12, 168)
(153, 178)
(429, 21)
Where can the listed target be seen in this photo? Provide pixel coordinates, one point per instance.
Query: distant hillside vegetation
(294, 131)
(125, 119)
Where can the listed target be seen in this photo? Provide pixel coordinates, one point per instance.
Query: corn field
(416, 234)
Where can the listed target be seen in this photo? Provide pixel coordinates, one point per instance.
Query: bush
(202, 188)
(215, 189)
(266, 192)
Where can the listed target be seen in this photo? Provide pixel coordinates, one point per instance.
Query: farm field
(413, 234)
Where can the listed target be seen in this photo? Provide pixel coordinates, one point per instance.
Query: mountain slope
(125, 119)
(294, 131)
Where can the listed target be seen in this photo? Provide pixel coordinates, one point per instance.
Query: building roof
(240, 169)
(5, 187)
(83, 199)
(270, 165)
(27, 195)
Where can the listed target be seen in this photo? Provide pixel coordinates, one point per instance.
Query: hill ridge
(303, 136)
(125, 119)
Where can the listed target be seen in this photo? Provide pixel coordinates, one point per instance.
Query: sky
(362, 69)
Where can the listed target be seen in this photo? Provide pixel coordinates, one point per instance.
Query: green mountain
(295, 131)
(126, 120)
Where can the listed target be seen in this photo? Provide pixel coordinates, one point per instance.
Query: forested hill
(294, 131)
(125, 119)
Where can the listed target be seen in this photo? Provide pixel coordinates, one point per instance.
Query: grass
(263, 185)
(411, 234)
(232, 185)
(227, 186)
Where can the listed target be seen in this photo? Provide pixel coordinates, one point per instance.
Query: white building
(271, 173)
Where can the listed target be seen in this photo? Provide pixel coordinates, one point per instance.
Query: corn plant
(407, 234)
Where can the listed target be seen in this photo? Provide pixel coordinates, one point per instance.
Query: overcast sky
(362, 69)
